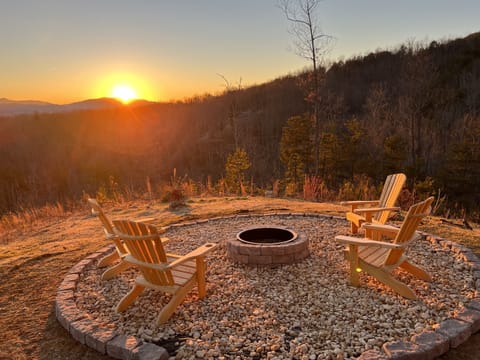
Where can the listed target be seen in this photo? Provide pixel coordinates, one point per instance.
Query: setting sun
(124, 93)
(125, 86)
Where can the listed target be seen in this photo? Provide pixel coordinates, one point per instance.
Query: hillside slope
(414, 109)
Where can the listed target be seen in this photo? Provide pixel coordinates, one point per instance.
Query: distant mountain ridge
(18, 107)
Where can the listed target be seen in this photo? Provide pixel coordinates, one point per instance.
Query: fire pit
(266, 235)
(267, 246)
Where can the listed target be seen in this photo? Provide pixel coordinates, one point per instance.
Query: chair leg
(108, 259)
(129, 298)
(389, 280)
(201, 284)
(177, 298)
(353, 228)
(416, 271)
(353, 258)
(368, 219)
(116, 269)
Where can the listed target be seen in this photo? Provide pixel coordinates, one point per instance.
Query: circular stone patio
(304, 310)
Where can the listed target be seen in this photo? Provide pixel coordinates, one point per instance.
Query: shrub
(315, 189)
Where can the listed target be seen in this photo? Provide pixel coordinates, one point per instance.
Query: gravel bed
(306, 310)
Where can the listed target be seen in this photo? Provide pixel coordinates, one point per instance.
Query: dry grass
(37, 256)
(18, 223)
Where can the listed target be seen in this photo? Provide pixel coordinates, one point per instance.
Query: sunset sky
(69, 50)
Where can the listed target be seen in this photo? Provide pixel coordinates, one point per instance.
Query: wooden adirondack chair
(379, 258)
(381, 211)
(120, 251)
(170, 273)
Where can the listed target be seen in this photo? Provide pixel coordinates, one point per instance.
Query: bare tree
(230, 91)
(415, 106)
(312, 44)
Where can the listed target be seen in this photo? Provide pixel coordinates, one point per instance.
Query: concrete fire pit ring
(267, 246)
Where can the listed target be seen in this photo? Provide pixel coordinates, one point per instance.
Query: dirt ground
(34, 260)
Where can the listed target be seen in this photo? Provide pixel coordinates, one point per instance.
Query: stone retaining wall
(428, 345)
(451, 333)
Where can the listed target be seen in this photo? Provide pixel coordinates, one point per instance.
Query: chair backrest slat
(107, 225)
(97, 209)
(407, 231)
(391, 189)
(144, 244)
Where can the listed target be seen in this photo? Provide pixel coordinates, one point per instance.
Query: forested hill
(415, 109)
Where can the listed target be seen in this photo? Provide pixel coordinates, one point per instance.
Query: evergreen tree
(329, 148)
(353, 156)
(394, 154)
(461, 171)
(236, 166)
(296, 150)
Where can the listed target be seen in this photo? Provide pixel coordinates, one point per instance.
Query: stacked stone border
(428, 345)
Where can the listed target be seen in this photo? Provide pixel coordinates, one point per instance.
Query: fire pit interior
(266, 235)
(268, 245)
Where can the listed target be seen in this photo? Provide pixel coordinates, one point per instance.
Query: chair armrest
(375, 210)
(356, 203)
(145, 220)
(164, 240)
(360, 202)
(198, 252)
(343, 239)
